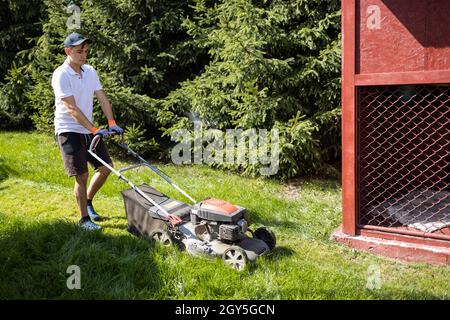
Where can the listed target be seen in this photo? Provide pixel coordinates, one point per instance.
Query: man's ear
(67, 51)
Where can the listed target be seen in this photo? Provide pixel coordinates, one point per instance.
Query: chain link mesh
(404, 156)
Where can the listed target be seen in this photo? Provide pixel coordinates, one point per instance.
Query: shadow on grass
(5, 171)
(279, 253)
(35, 259)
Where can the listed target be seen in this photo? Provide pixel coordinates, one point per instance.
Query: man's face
(78, 54)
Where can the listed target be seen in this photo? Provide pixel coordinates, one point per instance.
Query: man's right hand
(104, 133)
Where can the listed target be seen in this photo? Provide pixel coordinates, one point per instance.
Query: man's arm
(76, 113)
(106, 106)
(107, 110)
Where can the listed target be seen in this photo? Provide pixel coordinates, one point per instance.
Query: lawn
(39, 239)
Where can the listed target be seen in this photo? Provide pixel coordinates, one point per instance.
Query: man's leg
(97, 181)
(99, 177)
(80, 193)
(81, 196)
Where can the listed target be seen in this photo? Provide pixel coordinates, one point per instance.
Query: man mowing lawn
(74, 84)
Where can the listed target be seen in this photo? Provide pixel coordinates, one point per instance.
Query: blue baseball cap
(74, 39)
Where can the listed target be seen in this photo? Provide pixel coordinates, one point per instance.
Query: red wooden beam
(348, 118)
(403, 78)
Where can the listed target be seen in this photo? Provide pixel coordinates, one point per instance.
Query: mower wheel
(161, 236)
(235, 257)
(267, 236)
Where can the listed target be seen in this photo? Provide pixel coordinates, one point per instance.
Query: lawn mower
(210, 227)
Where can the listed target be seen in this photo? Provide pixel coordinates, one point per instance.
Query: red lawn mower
(211, 227)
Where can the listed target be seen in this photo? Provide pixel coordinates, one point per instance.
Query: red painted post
(348, 118)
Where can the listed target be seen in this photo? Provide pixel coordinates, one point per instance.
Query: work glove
(114, 127)
(101, 132)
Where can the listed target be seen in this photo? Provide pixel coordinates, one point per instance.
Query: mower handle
(94, 143)
(97, 139)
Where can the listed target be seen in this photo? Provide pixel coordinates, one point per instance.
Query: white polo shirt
(66, 82)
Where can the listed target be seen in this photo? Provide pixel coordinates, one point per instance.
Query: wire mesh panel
(404, 157)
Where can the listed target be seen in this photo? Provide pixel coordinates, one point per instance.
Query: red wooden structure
(396, 128)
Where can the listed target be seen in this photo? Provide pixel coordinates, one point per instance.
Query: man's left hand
(115, 128)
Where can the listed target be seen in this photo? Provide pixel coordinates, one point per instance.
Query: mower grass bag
(143, 217)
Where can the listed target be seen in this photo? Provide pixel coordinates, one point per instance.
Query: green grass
(39, 239)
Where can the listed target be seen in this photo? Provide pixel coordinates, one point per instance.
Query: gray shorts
(74, 152)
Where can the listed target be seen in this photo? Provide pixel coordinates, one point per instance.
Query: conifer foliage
(229, 64)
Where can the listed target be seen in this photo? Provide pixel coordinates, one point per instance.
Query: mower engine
(218, 219)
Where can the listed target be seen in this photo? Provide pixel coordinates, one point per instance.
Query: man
(74, 84)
